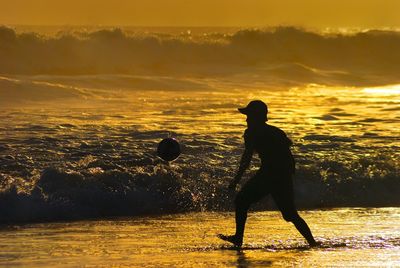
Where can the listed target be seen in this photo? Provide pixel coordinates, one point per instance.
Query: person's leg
(242, 205)
(284, 198)
(250, 193)
(304, 230)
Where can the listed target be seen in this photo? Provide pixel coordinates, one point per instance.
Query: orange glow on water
(392, 90)
(89, 88)
(189, 240)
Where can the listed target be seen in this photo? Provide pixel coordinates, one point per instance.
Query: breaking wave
(94, 182)
(285, 54)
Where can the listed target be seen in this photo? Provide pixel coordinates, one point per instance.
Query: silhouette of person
(274, 176)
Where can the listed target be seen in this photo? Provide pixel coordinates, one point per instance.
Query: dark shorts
(279, 185)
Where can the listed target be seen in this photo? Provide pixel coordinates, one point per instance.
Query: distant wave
(289, 54)
(28, 89)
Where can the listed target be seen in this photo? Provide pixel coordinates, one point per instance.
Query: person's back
(272, 146)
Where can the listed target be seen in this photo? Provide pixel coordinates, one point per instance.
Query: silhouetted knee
(291, 217)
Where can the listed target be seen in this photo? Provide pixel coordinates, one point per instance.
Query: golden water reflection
(350, 237)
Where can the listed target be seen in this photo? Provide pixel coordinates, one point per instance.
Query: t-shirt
(272, 146)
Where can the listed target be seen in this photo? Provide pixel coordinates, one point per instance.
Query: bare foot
(314, 244)
(237, 242)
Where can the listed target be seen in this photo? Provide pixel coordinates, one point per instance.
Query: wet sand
(350, 237)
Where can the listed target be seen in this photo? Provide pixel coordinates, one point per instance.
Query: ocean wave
(92, 187)
(283, 54)
(30, 89)
(66, 195)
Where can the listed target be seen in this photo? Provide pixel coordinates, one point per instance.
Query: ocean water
(65, 162)
(82, 112)
(355, 237)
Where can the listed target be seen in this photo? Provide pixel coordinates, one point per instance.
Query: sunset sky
(308, 13)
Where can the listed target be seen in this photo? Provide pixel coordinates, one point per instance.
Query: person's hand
(233, 183)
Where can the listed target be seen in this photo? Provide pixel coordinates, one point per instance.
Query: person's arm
(244, 161)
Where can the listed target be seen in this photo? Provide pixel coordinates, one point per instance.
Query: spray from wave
(94, 181)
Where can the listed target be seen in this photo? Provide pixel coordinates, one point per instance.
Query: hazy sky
(310, 13)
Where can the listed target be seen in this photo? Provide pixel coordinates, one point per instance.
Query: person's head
(256, 112)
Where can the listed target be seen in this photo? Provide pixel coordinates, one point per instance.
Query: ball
(168, 149)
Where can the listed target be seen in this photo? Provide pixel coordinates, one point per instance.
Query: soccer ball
(168, 149)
